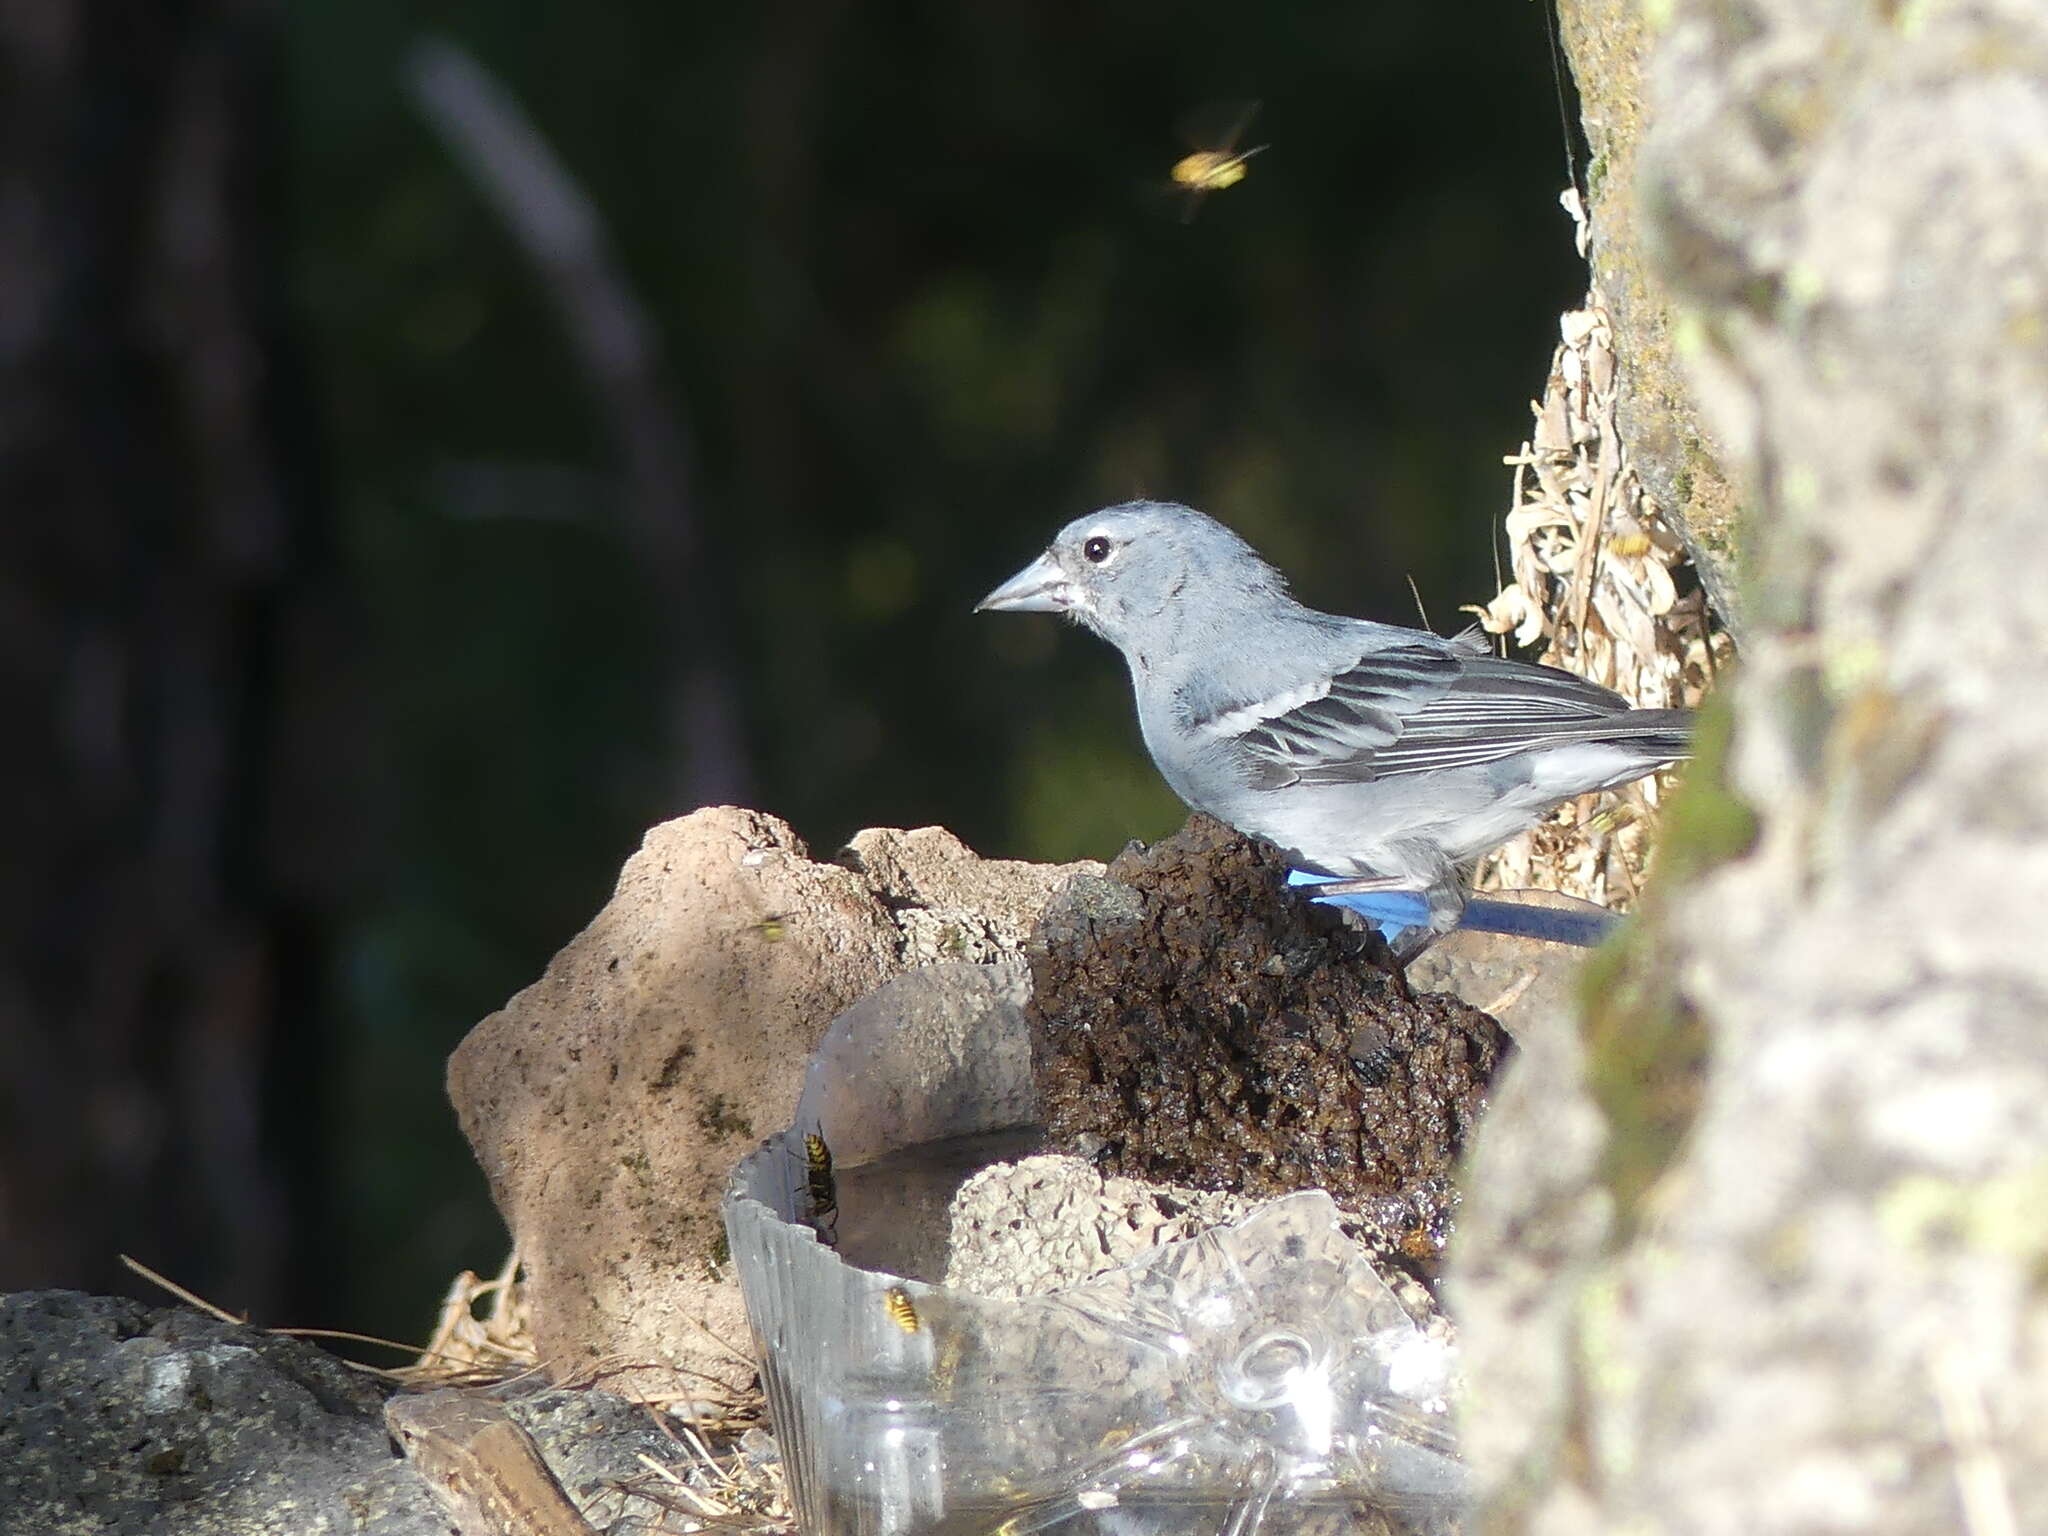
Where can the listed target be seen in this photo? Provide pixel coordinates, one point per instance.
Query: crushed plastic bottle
(1257, 1378)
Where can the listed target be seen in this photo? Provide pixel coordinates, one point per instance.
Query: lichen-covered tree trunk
(1677, 453)
(152, 565)
(1763, 1248)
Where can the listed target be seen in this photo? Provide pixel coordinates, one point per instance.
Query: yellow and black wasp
(901, 1309)
(820, 1188)
(1216, 162)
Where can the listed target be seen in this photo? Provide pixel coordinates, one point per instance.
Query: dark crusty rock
(119, 1418)
(1194, 1021)
(122, 1419)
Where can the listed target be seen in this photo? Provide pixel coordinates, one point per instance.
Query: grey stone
(120, 1419)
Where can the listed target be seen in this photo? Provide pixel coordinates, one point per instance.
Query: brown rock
(608, 1101)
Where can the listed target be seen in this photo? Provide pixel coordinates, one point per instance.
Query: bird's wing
(1411, 708)
(1497, 709)
(1318, 727)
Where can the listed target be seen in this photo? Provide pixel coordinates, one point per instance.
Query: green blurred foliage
(924, 299)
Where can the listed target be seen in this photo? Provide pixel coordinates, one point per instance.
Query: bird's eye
(1096, 549)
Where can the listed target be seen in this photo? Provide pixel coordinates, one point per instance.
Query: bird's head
(1143, 572)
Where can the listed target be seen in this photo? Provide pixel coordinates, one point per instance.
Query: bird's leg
(1388, 902)
(1391, 905)
(1446, 903)
(1410, 943)
(1446, 900)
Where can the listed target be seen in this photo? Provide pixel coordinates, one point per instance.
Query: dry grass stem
(1600, 586)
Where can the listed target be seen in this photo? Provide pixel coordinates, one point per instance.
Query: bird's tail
(1665, 733)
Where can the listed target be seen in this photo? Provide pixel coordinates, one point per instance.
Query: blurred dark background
(353, 628)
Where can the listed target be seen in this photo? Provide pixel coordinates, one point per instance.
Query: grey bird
(1391, 758)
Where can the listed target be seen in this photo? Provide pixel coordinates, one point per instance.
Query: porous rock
(1195, 1022)
(1049, 1223)
(608, 1101)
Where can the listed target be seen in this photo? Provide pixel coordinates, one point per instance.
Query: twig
(353, 1338)
(1421, 612)
(1590, 533)
(181, 1293)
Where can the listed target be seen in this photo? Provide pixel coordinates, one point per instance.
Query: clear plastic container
(1257, 1378)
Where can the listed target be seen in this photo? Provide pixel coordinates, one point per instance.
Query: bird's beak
(1041, 587)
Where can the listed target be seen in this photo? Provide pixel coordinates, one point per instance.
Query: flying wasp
(1222, 164)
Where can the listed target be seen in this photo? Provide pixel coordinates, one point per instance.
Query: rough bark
(1677, 453)
(1763, 1250)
